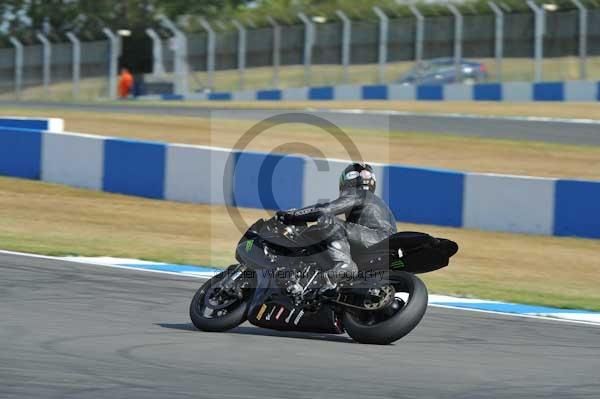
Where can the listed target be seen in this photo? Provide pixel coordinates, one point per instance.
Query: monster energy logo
(397, 264)
(249, 245)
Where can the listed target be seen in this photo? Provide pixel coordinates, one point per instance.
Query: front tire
(211, 317)
(400, 323)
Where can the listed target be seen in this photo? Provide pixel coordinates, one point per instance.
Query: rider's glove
(326, 220)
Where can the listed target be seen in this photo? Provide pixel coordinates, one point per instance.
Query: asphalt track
(80, 331)
(564, 131)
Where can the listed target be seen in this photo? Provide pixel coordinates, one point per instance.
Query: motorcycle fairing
(407, 251)
(270, 308)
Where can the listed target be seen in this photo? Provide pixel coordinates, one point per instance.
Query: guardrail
(510, 91)
(219, 176)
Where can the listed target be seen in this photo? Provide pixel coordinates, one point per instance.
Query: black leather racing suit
(368, 221)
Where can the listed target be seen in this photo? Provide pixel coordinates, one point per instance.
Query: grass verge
(56, 220)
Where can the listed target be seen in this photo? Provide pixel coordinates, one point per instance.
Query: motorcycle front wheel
(213, 309)
(393, 322)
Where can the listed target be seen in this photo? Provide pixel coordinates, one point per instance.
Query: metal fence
(55, 71)
(549, 46)
(540, 45)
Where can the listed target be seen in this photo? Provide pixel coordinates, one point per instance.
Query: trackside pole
(458, 34)
(76, 67)
(180, 61)
(309, 38)
(383, 42)
(276, 50)
(346, 36)
(538, 39)
(158, 68)
(241, 52)
(498, 38)
(419, 34)
(583, 28)
(115, 50)
(47, 50)
(18, 66)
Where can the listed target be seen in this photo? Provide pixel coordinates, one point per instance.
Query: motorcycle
(381, 304)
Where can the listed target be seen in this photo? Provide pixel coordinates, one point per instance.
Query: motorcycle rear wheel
(220, 317)
(397, 325)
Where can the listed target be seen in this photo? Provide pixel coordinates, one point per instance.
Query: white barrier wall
(197, 174)
(73, 159)
(508, 203)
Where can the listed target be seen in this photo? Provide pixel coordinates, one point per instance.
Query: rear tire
(401, 323)
(236, 313)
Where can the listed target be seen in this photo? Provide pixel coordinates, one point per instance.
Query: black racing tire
(236, 315)
(398, 325)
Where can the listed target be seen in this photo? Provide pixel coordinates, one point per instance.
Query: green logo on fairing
(397, 264)
(249, 245)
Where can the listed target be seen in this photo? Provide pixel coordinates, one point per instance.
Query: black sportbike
(383, 303)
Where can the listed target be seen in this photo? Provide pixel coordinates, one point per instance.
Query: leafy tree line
(87, 17)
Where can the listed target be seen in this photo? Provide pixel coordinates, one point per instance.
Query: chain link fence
(561, 56)
(62, 85)
(561, 51)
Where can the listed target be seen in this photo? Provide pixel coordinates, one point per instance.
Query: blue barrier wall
(510, 91)
(577, 208)
(274, 181)
(53, 124)
(20, 152)
(134, 168)
(425, 196)
(268, 181)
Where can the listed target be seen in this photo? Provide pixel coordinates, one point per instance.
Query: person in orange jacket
(125, 83)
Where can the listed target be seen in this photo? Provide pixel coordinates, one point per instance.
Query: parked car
(442, 71)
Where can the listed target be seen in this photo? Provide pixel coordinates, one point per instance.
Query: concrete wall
(510, 91)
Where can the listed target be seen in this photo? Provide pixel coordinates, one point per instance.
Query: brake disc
(378, 298)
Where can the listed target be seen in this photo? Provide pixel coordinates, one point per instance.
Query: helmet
(359, 175)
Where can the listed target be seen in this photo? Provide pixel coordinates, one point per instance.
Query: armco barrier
(510, 91)
(259, 180)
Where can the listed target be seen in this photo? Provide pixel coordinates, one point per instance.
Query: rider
(368, 221)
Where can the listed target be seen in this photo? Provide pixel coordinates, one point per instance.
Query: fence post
(346, 35)
(499, 38)
(276, 50)
(420, 33)
(241, 52)
(539, 38)
(180, 62)
(210, 54)
(383, 40)
(18, 65)
(158, 68)
(114, 61)
(458, 34)
(76, 68)
(47, 49)
(583, 27)
(309, 36)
